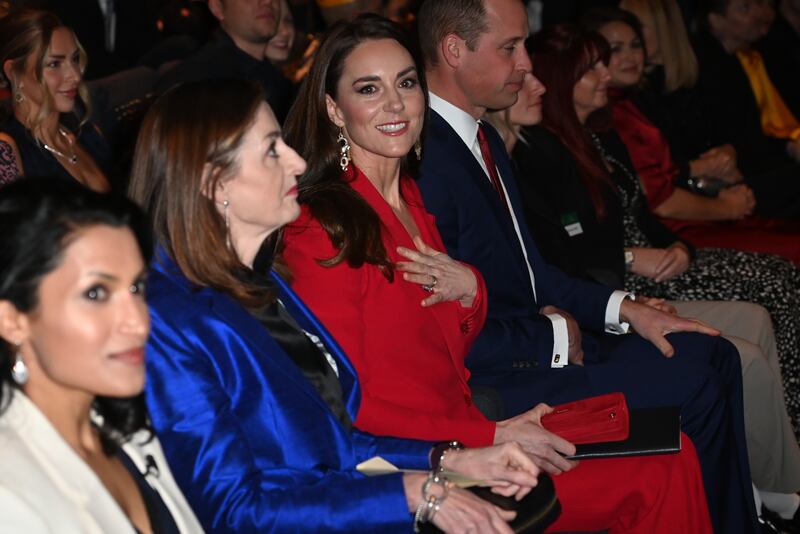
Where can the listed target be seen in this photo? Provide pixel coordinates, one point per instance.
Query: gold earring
(418, 150)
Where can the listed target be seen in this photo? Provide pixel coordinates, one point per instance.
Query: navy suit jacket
(477, 229)
(251, 443)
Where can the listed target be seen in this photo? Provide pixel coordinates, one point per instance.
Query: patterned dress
(724, 274)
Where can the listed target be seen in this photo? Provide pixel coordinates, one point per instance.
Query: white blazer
(45, 487)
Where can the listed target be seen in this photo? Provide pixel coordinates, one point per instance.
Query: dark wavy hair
(594, 19)
(561, 55)
(188, 127)
(38, 218)
(353, 226)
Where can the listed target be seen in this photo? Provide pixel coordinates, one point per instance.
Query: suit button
(464, 328)
(514, 365)
(468, 399)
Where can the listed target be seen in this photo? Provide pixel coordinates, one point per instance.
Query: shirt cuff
(560, 356)
(613, 324)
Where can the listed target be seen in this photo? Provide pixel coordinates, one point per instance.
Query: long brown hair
(352, 225)
(188, 143)
(562, 54)
(27, 33)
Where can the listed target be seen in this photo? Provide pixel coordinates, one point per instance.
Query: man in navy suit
(532, 348)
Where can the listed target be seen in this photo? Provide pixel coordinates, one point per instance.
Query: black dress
(552, 190)
(161, 520)
(37, 162)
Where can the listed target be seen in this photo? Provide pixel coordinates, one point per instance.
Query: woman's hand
(658, 304)
(739, 201)
(675, 261)
(506, 468)
(461, 511)
(661, 264)
(544, 447)
(719, 163)
(439, 274)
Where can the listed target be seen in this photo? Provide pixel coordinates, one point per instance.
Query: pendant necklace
(73, 157)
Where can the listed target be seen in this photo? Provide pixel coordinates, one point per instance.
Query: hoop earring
(344, 160)
(418, 150)
(19, 372)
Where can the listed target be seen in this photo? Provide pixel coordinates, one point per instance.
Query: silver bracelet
(430, 503)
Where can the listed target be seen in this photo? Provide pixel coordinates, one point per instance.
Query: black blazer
(555, 197)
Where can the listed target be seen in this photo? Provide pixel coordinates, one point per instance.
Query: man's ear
(14, 325)
(215, 6)
(334, 112)
(452, 49)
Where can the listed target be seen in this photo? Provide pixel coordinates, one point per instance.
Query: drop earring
(225, 204)
(19, 98)
(19, 371)
(344, 160)
(418, 150)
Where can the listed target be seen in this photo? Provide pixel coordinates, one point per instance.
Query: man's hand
(575, 355)
(653, 324)
(545, 448)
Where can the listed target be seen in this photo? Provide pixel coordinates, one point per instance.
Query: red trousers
(753, 234)
(655, 494)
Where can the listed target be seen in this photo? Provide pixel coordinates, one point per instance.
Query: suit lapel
(69, 474)
(503, 162)
(457, 153)
(261, 342)
(399, 236)
(307, 321)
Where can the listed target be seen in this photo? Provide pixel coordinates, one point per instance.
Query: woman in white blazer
(77, 451)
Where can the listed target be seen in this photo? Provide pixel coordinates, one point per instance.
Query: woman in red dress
(367, 258)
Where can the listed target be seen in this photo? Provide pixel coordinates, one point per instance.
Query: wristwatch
(629, 257)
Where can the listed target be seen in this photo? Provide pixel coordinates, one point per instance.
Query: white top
(45, 487)
(467, 129)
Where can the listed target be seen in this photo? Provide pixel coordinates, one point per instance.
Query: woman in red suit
(366, 257)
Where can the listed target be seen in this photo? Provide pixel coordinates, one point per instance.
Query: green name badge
(571, 224)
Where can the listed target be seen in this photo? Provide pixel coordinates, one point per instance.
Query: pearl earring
(19, 372)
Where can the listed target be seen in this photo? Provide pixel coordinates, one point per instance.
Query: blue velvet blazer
(250, 441)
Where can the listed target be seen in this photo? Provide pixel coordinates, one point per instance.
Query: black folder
(652, 431)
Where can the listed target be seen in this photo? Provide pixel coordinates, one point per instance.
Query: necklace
(73, 157)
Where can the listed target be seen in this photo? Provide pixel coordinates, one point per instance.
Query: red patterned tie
(483, 142)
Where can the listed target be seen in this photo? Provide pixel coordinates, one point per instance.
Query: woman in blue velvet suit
(251, 398)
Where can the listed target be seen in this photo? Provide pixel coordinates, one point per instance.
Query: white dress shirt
(467, 129)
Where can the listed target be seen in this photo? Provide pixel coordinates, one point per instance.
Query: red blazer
(409, 359)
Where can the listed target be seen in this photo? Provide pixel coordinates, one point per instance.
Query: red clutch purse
(593, 420)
